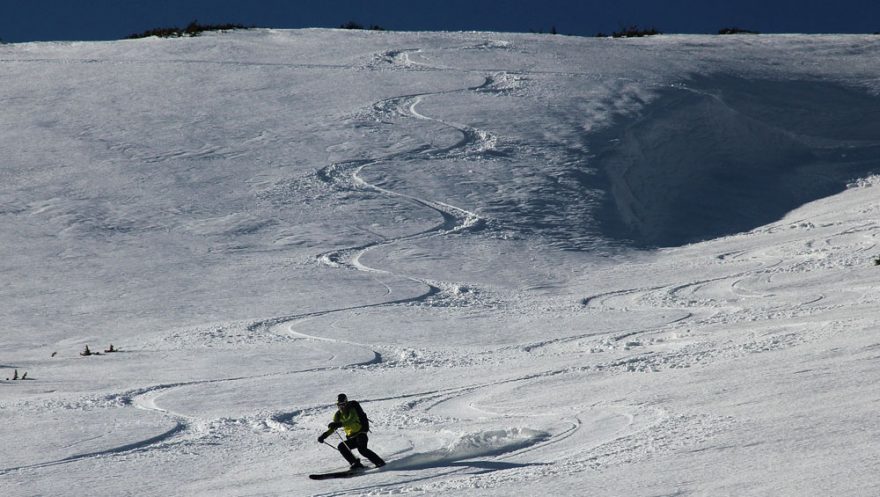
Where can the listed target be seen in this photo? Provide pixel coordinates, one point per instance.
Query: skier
(352, 418)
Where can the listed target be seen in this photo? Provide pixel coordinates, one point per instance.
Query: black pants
(359, 442)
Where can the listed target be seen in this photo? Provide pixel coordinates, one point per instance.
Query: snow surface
(545, 265)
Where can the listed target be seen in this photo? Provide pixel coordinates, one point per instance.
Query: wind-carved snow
(455, 229)
(746, 163)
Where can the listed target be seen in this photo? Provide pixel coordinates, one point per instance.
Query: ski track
(343, 176)
(716, 301)
(347, 176)
(566, 445)
(565, 440)
(627, 433)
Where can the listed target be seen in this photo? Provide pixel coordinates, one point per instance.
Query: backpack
(365, 422)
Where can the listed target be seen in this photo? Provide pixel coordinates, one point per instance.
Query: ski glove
(322, 438)
(334, 425)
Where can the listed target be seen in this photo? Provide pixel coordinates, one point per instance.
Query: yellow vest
(351, 423)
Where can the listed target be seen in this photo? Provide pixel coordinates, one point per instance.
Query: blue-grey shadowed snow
(722, 155)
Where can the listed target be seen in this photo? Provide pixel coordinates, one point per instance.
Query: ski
(348, 473)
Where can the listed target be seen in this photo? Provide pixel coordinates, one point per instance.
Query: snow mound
(473, 445)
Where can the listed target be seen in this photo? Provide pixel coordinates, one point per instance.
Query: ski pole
(340, 438)
(329, 445)
(343, 441)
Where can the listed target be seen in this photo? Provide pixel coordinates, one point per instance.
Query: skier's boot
(357, 466)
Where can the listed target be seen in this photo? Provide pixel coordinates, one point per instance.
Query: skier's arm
(332, 427)
(324, 435)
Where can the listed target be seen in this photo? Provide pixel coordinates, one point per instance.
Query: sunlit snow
(544, 265)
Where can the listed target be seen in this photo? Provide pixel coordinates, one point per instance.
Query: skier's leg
(360, 442)
(346, 452)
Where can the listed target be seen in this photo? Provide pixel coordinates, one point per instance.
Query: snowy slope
(543, 264)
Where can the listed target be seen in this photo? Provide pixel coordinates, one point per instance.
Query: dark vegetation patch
(354, 25)
(632, 31)
(736, 31)
(192, 29)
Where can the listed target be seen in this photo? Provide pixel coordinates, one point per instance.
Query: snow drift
(720, 155)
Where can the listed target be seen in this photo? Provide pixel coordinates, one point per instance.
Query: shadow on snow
(721, 155)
